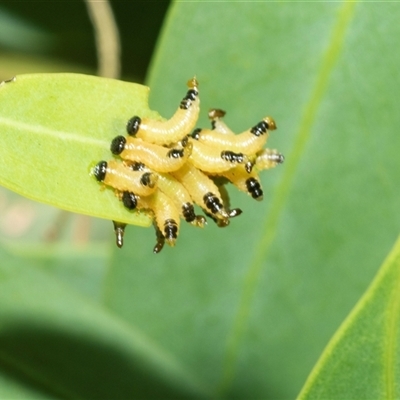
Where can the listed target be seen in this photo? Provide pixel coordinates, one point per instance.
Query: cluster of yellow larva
(166, 167)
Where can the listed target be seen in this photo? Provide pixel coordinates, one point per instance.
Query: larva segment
(203, 191)
(121, 177)
(267, 159)
(174, 129)
(157, 158)
(248, 142)
(181, 197)
(248, 183)
(213, 160)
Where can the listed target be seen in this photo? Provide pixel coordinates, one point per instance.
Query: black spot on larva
(100, 171)
(196, 133)
(170, 229)
(188, 99)
(118, 145)
(259, 129)
(137, 166)
(254, 188)
(175, 153)
(146, 180)
(133, 124)
(232, 157)
(188, 212)
(185, 141)
(212, 203)
(129, 200)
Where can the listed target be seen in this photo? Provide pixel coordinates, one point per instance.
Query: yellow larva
(204, 192)
(213, 160)
(247, 142)
(156, 157)
(174, 129)
(164, 171)
(121, 177)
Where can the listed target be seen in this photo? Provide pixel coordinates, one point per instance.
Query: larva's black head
(196, 133)
(100, 170)
(137, 166)
(185, 141)
(149, 179)
(175, 153)
(129, 200)
(118, 145)
(133, 124)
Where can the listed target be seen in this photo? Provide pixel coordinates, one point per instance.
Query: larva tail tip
(216, 113)
(222, 223)
(171, 242)
(271, 123)
(199, 221)
(193, 83)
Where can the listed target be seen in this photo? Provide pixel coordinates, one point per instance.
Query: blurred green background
(243, 312)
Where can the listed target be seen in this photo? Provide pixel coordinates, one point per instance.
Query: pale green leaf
(55, 127)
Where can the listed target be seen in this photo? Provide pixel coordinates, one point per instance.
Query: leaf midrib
(58, 134)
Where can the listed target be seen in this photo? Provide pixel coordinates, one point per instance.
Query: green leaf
(361, 360)
(55, 127)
